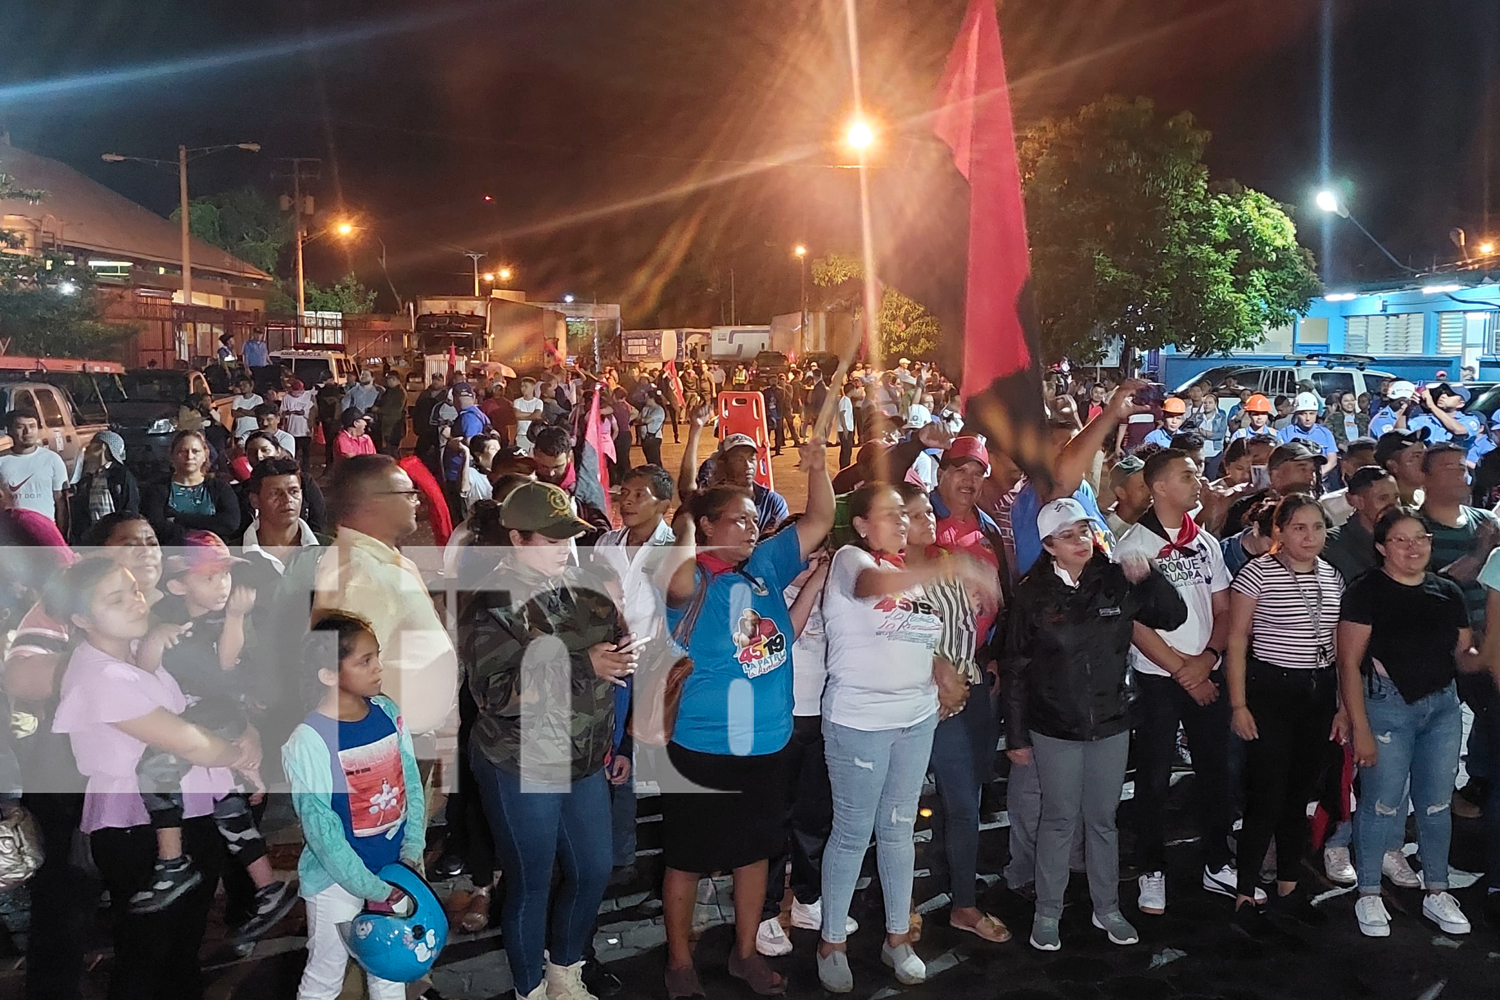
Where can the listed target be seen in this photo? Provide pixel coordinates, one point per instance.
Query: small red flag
(675, 383)
(592, 486)
(1002, 391)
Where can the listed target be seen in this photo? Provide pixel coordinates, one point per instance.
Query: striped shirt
(1295, 614)
(959, 639)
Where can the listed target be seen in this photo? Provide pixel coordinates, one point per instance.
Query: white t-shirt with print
(34, 478)
(879, 651)
(1197, 577)
(809, 658)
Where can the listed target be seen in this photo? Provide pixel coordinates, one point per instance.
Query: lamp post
(475, 257)
(800, 252)
(1328, 200)
(184, 154)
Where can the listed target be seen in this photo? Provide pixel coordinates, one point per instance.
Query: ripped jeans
(1421, 741)
(876, 779)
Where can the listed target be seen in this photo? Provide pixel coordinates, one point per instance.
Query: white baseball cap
(734, 441)
(918, 416)
(1305, 401)
(1401, 390)
(1057, 515)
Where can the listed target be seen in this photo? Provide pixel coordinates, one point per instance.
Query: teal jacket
(327, 857)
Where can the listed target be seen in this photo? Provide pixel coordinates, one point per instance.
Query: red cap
(201, 552)
(968, 448)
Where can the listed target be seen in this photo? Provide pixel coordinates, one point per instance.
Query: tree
(906, 328)
(244, 222)
(349, 296)
(1131, 240)
(47, 302)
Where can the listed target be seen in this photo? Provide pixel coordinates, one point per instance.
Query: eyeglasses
(1413, 542)
(409, 494)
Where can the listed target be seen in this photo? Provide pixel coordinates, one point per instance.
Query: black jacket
(171, 525)
(1065, 665)
(123, 487)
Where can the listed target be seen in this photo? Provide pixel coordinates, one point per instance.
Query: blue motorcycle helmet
(399, 947)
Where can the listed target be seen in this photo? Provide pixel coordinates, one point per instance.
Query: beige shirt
(364, 576)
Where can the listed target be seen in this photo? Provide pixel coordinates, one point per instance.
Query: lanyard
(1314, 609)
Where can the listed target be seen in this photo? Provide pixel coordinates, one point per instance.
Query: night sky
(640, 151)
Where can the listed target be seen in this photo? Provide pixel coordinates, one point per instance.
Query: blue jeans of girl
(1420, 741)
(876, 779)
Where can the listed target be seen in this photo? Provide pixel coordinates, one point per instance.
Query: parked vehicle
(1328, 373)
(64, 428)
(147, 417)
(309, 364)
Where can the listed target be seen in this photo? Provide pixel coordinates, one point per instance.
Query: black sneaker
(170, 881)
(446, 866)
(1296, 906)
(599, 980)
(272, 902)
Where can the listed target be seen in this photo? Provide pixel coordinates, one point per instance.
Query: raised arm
(687, 472)
(817, 522)
(1077, 456)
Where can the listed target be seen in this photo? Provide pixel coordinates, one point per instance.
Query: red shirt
(347, 446)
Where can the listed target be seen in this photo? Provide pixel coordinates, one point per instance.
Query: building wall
(1409, 331)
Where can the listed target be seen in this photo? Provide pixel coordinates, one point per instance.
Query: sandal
(914, 929)
(757, 974)
(988, 928)
(683, 983)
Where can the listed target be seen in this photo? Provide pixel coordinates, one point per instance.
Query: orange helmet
(1258, 404)
(1173, 406)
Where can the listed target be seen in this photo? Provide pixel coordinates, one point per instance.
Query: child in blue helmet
(356, 789)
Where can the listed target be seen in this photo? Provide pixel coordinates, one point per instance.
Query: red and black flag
(1002, 391)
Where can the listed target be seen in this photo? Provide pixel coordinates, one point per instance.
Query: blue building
(1412, 328)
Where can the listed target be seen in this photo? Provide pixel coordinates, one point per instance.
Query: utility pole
(300, 208)
(475, 257)
(187, 254)
(733, 321)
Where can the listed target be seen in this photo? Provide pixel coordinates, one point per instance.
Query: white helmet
(1306, 401)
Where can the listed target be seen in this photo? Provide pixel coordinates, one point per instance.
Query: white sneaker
(1338, 867)
(1153, 897)
(910, 970)
(1226, 882)
(771, 940)
(1373, 920)
(1395, 867)
(809, 917)
(1442, 909)
(565, 982)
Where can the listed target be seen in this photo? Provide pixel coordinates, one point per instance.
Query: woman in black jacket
(1063, 678)
(106, 487)
(193, 498)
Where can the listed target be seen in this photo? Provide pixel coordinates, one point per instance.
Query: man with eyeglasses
(374, 505)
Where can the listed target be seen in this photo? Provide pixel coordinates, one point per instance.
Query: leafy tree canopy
(347, 296)
(244, 222)
(1130, 239)
(47, 305)
(906, 328)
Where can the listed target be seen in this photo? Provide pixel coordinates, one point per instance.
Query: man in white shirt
(243, 407)
(1178, 680)
(847, 426)
(268, 421)
(35, 475)
(375, 506)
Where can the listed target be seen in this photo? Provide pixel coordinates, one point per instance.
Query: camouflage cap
(543, 508)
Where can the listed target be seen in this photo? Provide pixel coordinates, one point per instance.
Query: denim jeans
(1162, 703)
(535, 828)
(963, 757)
(1420, 740)
(877, 780)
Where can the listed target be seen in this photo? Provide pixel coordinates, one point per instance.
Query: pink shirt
(347, 446)
(99, 690)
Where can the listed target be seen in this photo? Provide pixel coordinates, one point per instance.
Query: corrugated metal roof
(85, 214)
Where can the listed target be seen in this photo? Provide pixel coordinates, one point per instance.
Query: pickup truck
(147, 417)
(64, 429)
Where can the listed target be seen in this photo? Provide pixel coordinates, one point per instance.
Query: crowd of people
(1300, 608)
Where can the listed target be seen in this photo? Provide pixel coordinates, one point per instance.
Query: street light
(489, 276)
(800, 252)
(505, 273)
(344, 229)
(1487, 248)
(1328, 201)
(183, 155)
(568, 299)
(860, 135)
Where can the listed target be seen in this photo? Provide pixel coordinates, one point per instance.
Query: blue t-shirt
(1248, 432)
(1437, 433)
(1383, 422)
(1317, 434)
(738, 699)
(1482, 446)
(369, 784)
(1161, 436)
(256, 355)
(1023, 523)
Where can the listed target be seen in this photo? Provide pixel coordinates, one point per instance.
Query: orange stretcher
(745, 413)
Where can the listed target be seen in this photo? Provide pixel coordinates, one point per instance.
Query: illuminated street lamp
(505, 273)
(489, 277)
(344, 229)
(1487, 248)
(800, 252)
(1328, 201)
(860, 135)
